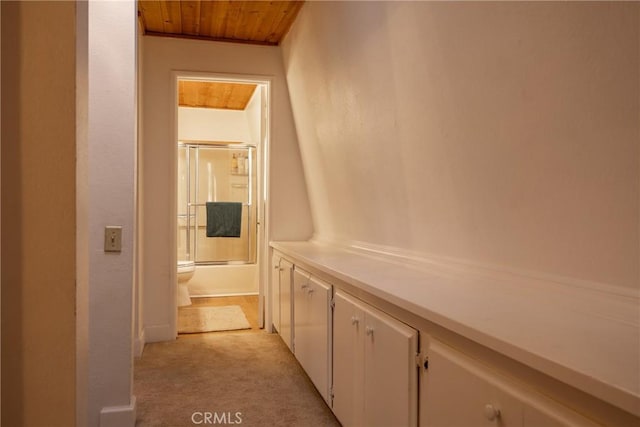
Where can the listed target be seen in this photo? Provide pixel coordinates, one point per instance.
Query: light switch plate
(113, 238)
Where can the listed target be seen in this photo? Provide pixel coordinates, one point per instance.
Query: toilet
(185, 273)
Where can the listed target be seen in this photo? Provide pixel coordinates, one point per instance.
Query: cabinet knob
(305, 286)
(491, 412)
(369, 330)
(354, 320)
(310, 291)
(275, 267)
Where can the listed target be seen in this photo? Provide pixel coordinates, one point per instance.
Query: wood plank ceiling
(258, 22)
(230, 96)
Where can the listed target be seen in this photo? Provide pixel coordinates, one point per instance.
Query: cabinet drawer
(458, 391)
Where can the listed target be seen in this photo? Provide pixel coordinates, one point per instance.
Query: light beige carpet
(251, 375)
(194, 319)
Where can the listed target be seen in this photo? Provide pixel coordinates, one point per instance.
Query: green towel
(224, 219)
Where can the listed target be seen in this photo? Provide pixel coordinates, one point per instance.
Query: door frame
(263, 237)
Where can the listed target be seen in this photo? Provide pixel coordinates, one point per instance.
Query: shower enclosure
(216, 172)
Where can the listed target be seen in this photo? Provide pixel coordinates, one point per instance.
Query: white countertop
(585, 338)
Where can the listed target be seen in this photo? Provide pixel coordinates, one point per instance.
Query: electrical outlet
(113, 238)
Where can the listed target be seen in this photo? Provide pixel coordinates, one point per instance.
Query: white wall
(253, 115)
(500, 133)
(106, 161)
(209, 124)
(289, 210)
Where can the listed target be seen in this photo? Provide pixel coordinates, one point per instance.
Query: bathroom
(282, 207)
(220, 144)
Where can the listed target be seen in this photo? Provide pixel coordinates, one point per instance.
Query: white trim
(264, 255)
(235, 294)
(138, 344)
(119, 416)
(173, 235)
(263, 196)
(220, 77)
(158, 333)
(391, 253)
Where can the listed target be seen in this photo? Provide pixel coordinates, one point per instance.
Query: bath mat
(194, 319)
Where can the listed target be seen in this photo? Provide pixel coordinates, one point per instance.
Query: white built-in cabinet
(374, 366)
(375, 370)
(286, 302)
(459, 391)
(312, 328)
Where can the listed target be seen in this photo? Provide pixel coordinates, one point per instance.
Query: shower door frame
(263, 192)
(188, 144)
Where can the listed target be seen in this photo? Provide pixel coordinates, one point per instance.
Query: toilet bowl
(185, 273)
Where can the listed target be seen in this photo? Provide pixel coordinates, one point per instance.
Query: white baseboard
(158, 333)
(119, 416)
(223, 294)
(138, 345)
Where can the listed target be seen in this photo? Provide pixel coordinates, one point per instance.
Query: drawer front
(457, 392)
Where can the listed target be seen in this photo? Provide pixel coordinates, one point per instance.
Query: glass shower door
(221, 173)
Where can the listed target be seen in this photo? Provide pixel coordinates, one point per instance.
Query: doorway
(221, 140)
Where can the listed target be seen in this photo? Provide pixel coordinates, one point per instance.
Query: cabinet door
(275, 292)
(348, 369)
(312, 339)
(390, 372)
(458, 392)
(301, 313)
(286, 303)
